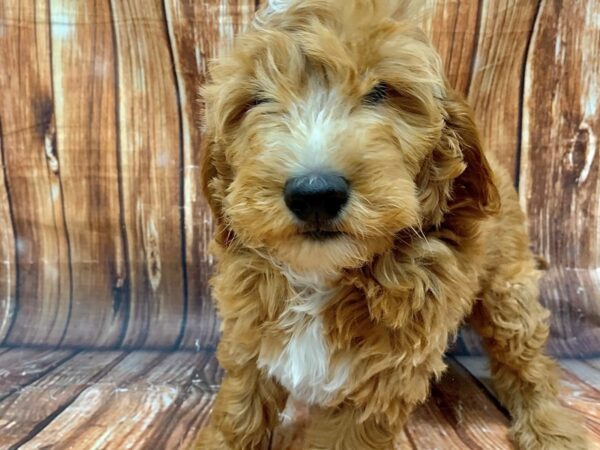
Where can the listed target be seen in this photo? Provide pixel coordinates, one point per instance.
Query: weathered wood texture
(198, 30)
(103, 231)
(156, 400)
(560, 165)
(32, 176)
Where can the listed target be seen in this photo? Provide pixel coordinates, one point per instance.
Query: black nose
(316, 198)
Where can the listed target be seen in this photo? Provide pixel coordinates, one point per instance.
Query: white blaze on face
(310, 138)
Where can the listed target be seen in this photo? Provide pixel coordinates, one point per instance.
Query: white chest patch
(304, 366)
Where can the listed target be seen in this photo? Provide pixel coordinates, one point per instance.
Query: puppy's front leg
(345, 428)
(514, 328)
(245, 411)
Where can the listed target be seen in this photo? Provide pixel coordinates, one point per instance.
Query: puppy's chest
(305, 364)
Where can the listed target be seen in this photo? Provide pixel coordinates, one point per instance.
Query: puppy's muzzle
(316, 199)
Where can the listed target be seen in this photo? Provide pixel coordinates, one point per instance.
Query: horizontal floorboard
(27, 411)
(146, 400)
(20, 367)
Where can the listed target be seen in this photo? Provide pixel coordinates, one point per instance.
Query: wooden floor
(153, 400)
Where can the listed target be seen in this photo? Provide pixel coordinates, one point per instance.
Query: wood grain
(20, 420)
(197, 31)
(587, 370)
(497, 81)
(421, 433)
(133, 406)
(31, 169)
(580, 383)
(103, 231)
(584, 399)
(150, 161)
(573, 294)
(477, 419)
(83, 64)
(453, 27)
(560, 166)
(20, 367)
(496, 87)
(149, 400)
(178, 428)
(8, 260)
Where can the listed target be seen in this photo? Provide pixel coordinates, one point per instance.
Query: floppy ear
(220, 113)
(456, 182)
(214, 173)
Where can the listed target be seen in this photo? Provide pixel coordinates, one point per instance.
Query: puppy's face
(319, 125)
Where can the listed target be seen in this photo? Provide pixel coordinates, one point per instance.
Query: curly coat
(432, 235)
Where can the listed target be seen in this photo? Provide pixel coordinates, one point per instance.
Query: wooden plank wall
(103, 231)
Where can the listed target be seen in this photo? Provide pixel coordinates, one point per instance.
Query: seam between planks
(482, 387)
(153, 348)
(454, 24)
(15, 305)
(67, 441)
(475, 49)
(125, 292)
(440, 398)
(45, 422)
(59, 178)
(521, 108)
(168, 29)
(171, 422)
(42, 374)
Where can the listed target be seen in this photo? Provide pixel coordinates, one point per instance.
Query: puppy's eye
(251, 104)
(378, 94)
(258, 100)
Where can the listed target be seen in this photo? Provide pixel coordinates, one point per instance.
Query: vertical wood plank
(453, 27)
(560, 166)
(573, 295)
(497, 83)
(85, 108)
(197, 30)
(495, 91)
(150, 162)
(8, 266)
(32, 169)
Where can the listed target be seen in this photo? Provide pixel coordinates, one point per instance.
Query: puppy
(358, 224)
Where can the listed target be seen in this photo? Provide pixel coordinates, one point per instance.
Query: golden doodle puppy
(359, 223)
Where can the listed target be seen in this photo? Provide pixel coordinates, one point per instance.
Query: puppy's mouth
(321, 232)
(322, 235)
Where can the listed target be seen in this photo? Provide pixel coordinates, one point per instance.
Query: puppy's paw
(549, 427)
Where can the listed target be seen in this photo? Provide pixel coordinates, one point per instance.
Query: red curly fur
(433, 232)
